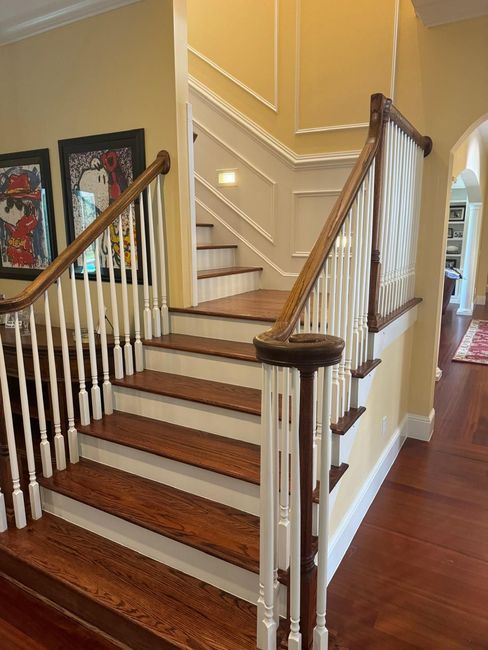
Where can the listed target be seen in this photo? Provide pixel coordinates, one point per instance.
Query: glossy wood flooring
(416, 574)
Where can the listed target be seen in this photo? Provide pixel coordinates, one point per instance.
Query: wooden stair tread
(363, 371)
(208, 451)
(227, 270)
(203, 345)
(216, 529)
(335, 475)
(342, 426)
(210, 247)
(136, 600)
(204, 391)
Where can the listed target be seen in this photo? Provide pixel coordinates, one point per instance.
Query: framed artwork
(27, 231)
(95, 170)
(450, 233)
(457, 212)
(458, 234)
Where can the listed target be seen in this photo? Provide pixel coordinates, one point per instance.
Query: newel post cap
(300, 350)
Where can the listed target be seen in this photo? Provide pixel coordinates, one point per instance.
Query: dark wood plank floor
(416, 574)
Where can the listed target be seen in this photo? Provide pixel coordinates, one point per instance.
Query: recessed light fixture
(227, 177)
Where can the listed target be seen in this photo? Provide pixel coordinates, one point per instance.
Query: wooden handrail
(58, 266)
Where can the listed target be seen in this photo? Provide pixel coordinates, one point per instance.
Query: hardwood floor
(416, 574)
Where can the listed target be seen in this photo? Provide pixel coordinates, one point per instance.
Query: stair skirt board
(221, 421)
(217, 327)
(228, 285)
(201, 366)
(215, 258)
(216, 572)
(195, 480)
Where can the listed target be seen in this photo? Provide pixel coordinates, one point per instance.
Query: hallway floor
(416, 574)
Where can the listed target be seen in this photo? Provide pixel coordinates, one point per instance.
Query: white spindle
(320, 641)
(284, 522)
(156, 313)
(95, 389)
(145, 274)
(295, 637)
(17, 494)
(34, 493)
(138, 351)
(162, 261)
(333, 324)
(83, 394)
(367, 272)
(74, 454)
(351, 304)
(45, 447)
(128, 359)
(118, 360)
(106, 386)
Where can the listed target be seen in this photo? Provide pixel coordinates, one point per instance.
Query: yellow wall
(112, 72)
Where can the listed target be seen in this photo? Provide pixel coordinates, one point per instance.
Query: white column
(470, 259)
(284, 519)
(295, 636)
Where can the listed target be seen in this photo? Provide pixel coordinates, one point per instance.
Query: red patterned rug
(474, 346)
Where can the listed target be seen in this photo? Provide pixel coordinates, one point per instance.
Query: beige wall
(112, 72)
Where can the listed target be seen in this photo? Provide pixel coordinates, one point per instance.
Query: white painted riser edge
(215, 258)
(209, 485)
(223, 422)
(232, 371)
(221, 574)
(217, 327)
(227, 285)
(204, 235)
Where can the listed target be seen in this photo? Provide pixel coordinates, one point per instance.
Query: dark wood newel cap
(164, 155)
(300, 351)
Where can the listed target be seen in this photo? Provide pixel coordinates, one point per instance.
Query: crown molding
(30, 25)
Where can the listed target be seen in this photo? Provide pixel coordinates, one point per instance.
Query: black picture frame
(450, 233)
(95, 169)
(27, 224)
(457, 212)
(451, 263)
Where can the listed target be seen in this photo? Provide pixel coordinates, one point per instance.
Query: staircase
(193, 481)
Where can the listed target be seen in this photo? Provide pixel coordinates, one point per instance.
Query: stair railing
(361, 267)
(108, 243)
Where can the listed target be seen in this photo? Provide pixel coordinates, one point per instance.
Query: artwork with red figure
(24, 239)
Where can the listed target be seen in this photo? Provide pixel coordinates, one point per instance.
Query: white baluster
(276, 487)
(118, 361)
(333, 324)
(344, 373)
(339, 320)
(45, 447)
(266, 615)
(156, 313)
(295, 637)
(83, 395)
(138, 351)
(385, 218)
(320, 641)
(145, 274)
(351, 308)
(284, 522)
(106, 386)
(74, 454)
(128, 359)
(356, 343)
(34, 493)
(370, 180)
(17, 494)
(162, 261)
(59, 448)
(96, 399)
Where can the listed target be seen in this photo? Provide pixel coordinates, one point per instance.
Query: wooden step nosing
(190, 311)
(219, 273)
(211, 247)
(193, 349)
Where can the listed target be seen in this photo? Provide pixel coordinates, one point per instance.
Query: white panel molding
(264, 233)
(25, 26)
(440, 12)
(480, 300)
(296, 196)
(281, 151)
(420, 427)
(273, 105)
(260, 254)
(337, 127)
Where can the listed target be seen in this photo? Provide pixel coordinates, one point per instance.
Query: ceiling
(20, 19)
(439, 12)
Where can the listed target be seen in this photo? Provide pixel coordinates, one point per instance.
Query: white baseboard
(438, 374)
(480, 300)
(464, 312)
(420, 427)
(349, 525)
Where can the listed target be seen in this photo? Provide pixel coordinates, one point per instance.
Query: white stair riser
(215, 258)
(210, 485)
(227, 285)
(223, 422)
(216, 327)
(221, 574)
(342, 445)
(360, 390)
(232, 371)
(204, 235)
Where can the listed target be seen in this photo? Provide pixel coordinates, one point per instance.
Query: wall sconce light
(227, 177)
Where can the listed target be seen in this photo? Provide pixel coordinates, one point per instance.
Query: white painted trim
(337, 127)
(296, 194)
(438, 374)
(281, 151)
(420, 427)
(350, 523)
(464, 312)
(58, 18)
(265, 258)
(273, 105)
(380, 341)
(480, 300)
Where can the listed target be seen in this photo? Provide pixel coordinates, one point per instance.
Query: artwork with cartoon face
(26, 222)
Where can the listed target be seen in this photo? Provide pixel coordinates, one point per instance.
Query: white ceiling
(439, 12)
(22, 18)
